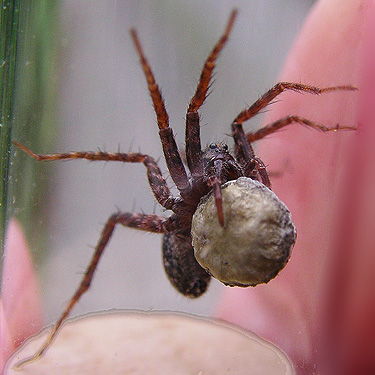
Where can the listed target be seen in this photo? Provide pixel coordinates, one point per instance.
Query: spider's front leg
(149, 223)
(244, 151)
(279, 88)
(172, 156)
(192, 134)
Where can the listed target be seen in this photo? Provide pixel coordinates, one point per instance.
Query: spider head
(219, 167)
(219, 164)
(215, 151)
(217, 161)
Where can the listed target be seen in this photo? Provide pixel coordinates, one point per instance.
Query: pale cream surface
(151, 343)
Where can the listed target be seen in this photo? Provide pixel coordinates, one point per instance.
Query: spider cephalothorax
(242, 233)
(219, 166)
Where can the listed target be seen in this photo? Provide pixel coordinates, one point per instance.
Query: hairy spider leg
(149, 223)
(280, 87)
(192, 136)
(192, 133)
(172, 156)
(156, 180)
(287, 120)
(243, 149)
(244, 152)
(205, 78)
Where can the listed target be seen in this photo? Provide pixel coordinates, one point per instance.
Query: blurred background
(91, 93)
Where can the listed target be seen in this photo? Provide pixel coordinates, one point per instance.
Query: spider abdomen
(181, 267)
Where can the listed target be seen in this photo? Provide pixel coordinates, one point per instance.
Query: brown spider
(208, 169)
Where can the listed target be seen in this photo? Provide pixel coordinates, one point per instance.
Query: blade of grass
(9, 18)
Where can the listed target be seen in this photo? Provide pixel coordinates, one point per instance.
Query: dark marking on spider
(208, 170)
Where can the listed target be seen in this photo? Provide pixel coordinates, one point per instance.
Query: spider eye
(212, 145)
(224, 146)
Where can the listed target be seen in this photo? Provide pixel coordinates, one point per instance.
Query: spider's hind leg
(149, 223)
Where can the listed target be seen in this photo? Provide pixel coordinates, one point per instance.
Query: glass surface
(78, 86)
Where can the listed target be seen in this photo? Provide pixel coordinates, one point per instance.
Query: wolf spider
(208, 170)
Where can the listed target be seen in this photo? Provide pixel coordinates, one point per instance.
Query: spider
(208, 170)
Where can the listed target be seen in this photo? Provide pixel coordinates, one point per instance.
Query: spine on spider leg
(180, 265)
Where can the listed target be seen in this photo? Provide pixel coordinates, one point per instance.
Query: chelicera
(208, 170)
